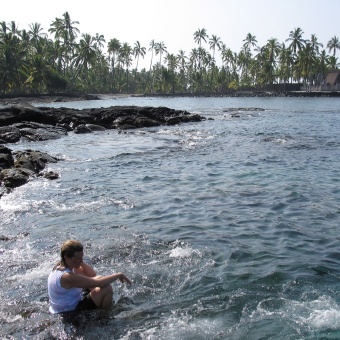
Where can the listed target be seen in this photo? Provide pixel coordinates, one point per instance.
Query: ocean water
(229, 228)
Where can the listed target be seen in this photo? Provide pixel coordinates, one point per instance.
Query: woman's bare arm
(85, 269)
(71, 280)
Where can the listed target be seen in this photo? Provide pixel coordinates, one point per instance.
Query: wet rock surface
(43, 123)
(17, 168)
(24, 122)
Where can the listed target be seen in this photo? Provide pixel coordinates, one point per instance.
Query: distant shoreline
(245, 94)
(68, 97)
(55, 98)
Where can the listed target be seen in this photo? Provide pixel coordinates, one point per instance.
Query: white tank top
(61, 299)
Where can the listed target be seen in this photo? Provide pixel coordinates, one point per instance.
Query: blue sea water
(229, 228)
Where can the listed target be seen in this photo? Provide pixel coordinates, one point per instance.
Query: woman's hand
(122, 278)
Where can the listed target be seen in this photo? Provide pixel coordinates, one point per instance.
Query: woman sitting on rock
(71, 277)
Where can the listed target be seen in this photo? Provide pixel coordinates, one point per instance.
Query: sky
(175, 22)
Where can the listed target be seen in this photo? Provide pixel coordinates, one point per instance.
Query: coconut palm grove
(64, 59)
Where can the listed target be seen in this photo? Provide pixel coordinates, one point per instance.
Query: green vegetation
(31, 62)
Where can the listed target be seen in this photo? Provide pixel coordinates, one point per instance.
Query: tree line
(32, 62)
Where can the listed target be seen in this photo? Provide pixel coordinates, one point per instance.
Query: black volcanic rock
(82, 128)
(6, 158)
(16, 168)
(36, 131)
(43, 123)
(9, 134)
(25, 121)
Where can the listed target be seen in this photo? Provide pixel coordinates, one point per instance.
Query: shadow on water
(96, 324)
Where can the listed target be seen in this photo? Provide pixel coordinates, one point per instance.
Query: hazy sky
(174, 22)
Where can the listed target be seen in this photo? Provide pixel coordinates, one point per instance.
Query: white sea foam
(189, 138)
(325, 319)
(181, 252)
(181, 326)
(93, 205)
(19, 201)
(186, 252)
(323, 313)
(26, 257)
(4, 317)
(41, 271)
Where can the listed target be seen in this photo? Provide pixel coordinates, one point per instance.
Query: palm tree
(126, 52)
(38, 71)
(99, 41)
(315, 44)
(214, 42)
(13, 60)
(160, 48)
(194, 56)
(14, 29)
(245, 55)
(57, 52)
(36, 32)
(182, 62)
(172, 63)
(297, 42)
(66, 30)
(113, 48)
(152, 49)
(3, 29)
(334, 44)
(322, 66)
(120, 66)
(228, 57)
(70, 32)
(35, 35)
(138, 51)
(274, 48)
(333, 63)
(243, 62)
(85, 55)
(182, 59)
(199, 35)
(285, 63)
(306, 63)
(267, 60)
(29, 61)
(250, 41)
(25, 39)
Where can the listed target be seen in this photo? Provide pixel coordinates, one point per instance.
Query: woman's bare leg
(102, 297)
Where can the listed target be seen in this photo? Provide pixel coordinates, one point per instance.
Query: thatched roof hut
(332, 78)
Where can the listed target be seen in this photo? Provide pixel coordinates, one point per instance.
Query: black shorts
(86, 303)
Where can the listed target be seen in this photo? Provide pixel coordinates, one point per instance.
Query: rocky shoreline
(69, 97)
(18, 167)
(259, 94)
(9, 100)
(24, 122)
(27, 122)
(20, 121)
